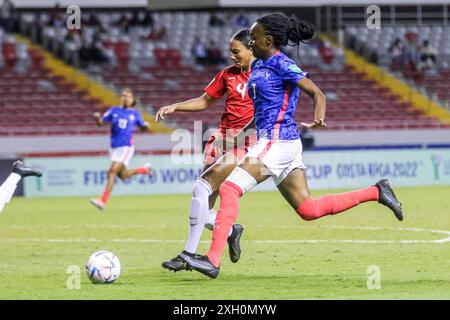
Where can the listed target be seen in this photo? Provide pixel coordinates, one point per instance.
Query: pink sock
(312, 209)
(142, 170)
(227, 215)
(105, 196)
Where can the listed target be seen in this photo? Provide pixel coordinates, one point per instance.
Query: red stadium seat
(167, 58)
(121, 49)
(9, 54)
(36, 58)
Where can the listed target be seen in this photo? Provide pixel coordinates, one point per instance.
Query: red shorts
(218, 145)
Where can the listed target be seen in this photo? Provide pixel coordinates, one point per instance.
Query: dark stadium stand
(353, 102)
(162, 72)
(37, 102)
(406, 58)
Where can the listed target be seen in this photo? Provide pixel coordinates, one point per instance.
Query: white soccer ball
(103, 267)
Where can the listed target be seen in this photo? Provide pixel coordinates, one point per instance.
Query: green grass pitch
(41, 238)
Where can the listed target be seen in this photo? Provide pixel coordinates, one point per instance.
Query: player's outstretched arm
(98, 118)
(193, 105)
(319, 98)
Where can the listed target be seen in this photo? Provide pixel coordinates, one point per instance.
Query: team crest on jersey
(132, 117)
(115, 115)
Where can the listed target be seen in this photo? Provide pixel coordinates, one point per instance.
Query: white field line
(312, 241)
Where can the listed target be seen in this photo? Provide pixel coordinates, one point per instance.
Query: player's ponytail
(299, 30)
(287, 30)
(243, 36)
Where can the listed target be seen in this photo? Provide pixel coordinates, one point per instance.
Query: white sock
(199, 213)
(212, 214)
(7, 189)
(211, 219)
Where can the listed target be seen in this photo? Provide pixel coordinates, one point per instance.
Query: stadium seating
(163, 72)
(376, 43)
(38, 103)
(379, 40)
(134, 44)
(35, 102)
(438, 84)
(353, 102)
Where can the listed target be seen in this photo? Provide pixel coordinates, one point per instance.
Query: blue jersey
(123, 121)
(273, 88)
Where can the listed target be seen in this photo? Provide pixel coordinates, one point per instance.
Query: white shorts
(279, 156)
(122, 154)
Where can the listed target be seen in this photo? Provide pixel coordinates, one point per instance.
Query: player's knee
(121, 176)
(213, 198)
(211, 183)
(209, 178)
(201, 187)
(112, 173)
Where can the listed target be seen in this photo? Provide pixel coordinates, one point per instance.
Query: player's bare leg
(294, 189)
(9, 186)
(128, 173)
(204, 195)
(113, 171)
(250, 173)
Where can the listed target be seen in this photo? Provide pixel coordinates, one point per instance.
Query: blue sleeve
(291, 73)
(107, 116)
(139, 120)
(252, 65)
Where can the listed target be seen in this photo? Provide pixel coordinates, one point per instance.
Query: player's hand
(314, 125)
(163, 111)
(146, 126)
(97, 115)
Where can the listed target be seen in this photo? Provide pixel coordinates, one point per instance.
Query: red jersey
(239, 107)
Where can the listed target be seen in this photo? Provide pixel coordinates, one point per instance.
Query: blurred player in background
(9, 186)
(274, 87)
(123, 119)
(223, 150)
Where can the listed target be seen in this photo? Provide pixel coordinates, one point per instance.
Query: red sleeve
(217, 87)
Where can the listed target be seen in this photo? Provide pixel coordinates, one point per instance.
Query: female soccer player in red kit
(274, 86)
(220, 159)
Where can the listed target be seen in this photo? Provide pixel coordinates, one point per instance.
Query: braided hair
(287, 30)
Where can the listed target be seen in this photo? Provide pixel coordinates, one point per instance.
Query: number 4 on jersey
(242, 89)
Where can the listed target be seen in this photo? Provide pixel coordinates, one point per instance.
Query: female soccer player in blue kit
(123, 119)
(274, 87)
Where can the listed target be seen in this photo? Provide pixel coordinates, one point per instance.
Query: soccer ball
(103, 267)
